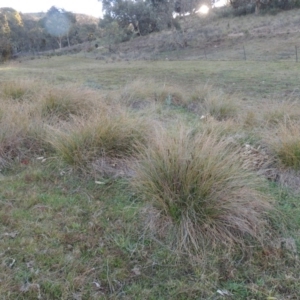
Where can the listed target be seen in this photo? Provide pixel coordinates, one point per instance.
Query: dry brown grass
(286, 144)
(65, 102)
(280, 112)
(18, 90)
(228, 128)
(21, 134)
(220, 105)
(105, 134)
(198, 190)
(211, 101)
(142, 92)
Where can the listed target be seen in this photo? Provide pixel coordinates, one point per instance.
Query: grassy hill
(137, 177)
(221, 36)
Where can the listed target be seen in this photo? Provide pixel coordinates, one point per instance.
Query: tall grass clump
(62, 103)
(214, 102)
(149, 91)
(103, 135)
(17, 89)
(229, 128)
(220, 106)
(280, 112)
(198, 192)
(286, 144)
(21, 134)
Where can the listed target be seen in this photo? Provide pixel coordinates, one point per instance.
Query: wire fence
(288, 53)
(291, 54)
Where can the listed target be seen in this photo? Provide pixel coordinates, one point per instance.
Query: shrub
(198, 191)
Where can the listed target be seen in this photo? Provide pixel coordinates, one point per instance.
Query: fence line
(216, 54)
(241, 53)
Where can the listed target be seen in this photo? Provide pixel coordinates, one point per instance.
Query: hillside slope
(213, 37)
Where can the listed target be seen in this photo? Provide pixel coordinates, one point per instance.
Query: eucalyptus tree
(145, 16)
(58, 23)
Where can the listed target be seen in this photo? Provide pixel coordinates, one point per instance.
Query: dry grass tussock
(21, 134)
(18, 90)
(75, 123)
(285, 142)
(229, 128)
(209, 101)
(201, 92)
(61, 103)
(142, 92)
(257, 158)
(112, 135)
(250, 119)
(52, 102)
(279, 112)
(220, 105)
(198, 191)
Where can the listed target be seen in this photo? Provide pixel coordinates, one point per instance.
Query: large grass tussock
(198, 190)
(63, 103)
(21, 134)
(103, 135)
(286, 144)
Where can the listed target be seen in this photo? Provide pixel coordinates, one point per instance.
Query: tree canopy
(43, 31)
(144, 16)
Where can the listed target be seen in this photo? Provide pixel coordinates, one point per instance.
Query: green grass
(252, 78)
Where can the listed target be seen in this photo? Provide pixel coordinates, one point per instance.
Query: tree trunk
(257, 6)
(59, 39)
(68, 40)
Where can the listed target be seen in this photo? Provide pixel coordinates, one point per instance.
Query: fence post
(296, 49)
(245, 57)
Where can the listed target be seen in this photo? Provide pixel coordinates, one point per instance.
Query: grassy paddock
(253, 79)
(72, 234)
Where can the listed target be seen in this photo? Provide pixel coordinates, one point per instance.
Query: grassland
(149, 179)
